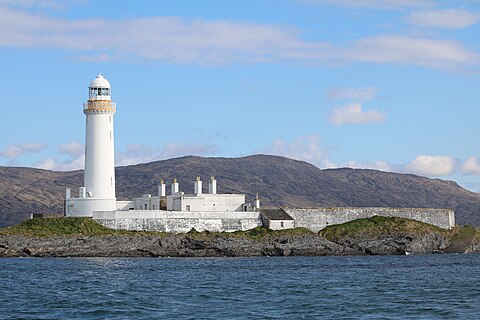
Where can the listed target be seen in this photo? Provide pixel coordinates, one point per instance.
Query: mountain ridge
(280, 181)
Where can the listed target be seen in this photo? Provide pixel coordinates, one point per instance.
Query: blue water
(400, 287)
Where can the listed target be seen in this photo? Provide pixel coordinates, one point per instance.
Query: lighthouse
(98, 192)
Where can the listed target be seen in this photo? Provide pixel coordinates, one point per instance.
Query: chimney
(68, 193)
(82, 192)
(162, 189)
(257, 202)
(175, 188)
(212, 185)
(197, 186)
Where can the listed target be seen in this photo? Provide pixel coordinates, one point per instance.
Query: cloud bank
(353, 114)
(450, 19)
(471, 166)
(377, 4)
(306, 148)
(16, 150)
(432, 166)
(216, 42)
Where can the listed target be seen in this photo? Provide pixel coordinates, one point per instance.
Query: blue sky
(390, 85)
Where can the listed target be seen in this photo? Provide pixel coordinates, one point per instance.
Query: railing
(100, 105)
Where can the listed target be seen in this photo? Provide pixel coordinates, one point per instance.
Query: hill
(279, 181)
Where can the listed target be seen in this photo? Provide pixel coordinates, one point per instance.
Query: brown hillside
(279, 181)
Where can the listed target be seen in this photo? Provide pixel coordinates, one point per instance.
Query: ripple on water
(409, 287)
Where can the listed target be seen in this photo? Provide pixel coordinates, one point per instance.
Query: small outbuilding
(276, 219)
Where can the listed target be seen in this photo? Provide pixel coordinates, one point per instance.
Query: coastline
(80, 237)
(201, 245)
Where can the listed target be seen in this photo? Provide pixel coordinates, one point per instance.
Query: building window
(281, 224)
(187, 207)
(145, 206)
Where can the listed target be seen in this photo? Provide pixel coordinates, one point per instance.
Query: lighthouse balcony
(100, 105)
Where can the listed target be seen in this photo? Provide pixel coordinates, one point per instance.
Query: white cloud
(471, 166)
(353, 114)
(72, 148)
(67, 165)
(76, 158)
(171, 39)
(432, 166)
(13, 151)
(200, 41)
(133, 154)
(451, 18)
(375, 165)
(377, 4)
(359, 94)
(306, 148)
(138, 153)
(403, 50)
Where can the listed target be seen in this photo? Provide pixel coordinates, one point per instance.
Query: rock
(219, 245)
(175, 245)
(398, 244)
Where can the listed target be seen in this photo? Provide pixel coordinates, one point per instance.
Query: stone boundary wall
(178, 221)
(318, 218)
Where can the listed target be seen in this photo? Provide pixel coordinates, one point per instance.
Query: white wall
(281, 224)
(206, 202)
(318, 218)
(178, 221)
(147, 202)
(84, 207)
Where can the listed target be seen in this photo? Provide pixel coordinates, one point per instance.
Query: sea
(444, 286)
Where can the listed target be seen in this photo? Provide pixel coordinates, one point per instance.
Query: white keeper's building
(176, 212)
(181, 212)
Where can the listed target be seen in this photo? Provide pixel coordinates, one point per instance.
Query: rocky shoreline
(218, 245)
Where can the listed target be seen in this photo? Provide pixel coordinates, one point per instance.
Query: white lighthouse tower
(98, 192)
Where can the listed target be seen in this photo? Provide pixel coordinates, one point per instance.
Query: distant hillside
(279, 181)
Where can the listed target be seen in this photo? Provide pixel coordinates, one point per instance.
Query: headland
(83, 237)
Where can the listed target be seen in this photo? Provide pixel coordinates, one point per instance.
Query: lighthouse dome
(99, 89)
(99, 82)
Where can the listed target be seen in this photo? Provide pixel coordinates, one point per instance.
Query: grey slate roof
(275, 214)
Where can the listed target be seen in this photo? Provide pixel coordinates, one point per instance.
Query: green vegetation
(258, 233)
(377, 226)
(371, 227)
(262, 233)
(465, 234)
(66, 226)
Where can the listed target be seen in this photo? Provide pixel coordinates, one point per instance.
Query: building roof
(99, 81)
(275, 214)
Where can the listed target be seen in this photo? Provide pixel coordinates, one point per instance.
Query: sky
(390, 85)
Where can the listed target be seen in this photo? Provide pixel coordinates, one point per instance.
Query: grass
(258, 233)
(68, 226)
(465, 234)
(371, 227)
(377, 226)
(65, 226)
